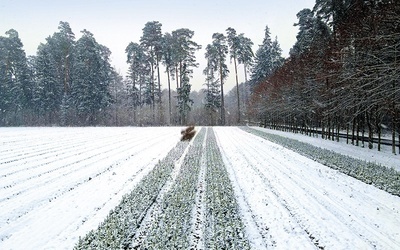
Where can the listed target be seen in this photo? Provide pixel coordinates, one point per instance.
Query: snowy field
(57, 184)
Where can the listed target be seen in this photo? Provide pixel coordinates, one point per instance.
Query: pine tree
(212, 91)
(219, 52)
(267, 59)
(15, 85)
(168, 51)
(184, 101)
(245, 53)
(240, 52)
(183, 58)
(151, 40)
(48, 92)
(54, 69)
(313, 33)
(332, 12)
(234, 47)
(93, 75)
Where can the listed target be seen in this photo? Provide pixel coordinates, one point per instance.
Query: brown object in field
(188, 133)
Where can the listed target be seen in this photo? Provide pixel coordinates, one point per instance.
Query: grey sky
(115, 23)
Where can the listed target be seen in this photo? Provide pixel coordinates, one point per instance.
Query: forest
(342, 74)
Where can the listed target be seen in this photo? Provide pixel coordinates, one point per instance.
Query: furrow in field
(60, 150)
(155, 210)
(321, 201)
(170, 230)
(103, 187)
(46, 188)
(39, 144)
(197, 237)
(274, 223)
(224, 225)
(62, 166)
(324, 200)
(200, 209)
(122, 223)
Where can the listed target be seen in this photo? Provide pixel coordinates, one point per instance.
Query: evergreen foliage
(92, 78)
(268, 58)
(342, 74)
(15, 85)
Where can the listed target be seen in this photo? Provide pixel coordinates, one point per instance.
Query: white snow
(296, 202)
(56, 184)
(384, 157)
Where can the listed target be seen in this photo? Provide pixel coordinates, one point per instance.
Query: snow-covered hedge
(120, 225)
(382, 177)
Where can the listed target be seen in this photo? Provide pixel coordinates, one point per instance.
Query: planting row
(224, 225)
(184, 203)
(120, 225)
(382, 177)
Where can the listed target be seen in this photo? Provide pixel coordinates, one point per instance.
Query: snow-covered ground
(57, 184)
(289, 201)
(384, 157)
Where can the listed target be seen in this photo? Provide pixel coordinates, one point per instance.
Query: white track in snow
(298, 203)
(153, 213)
(56, 184)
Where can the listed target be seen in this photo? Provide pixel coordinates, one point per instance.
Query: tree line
(70, 82)
(342, 73)
(66, 83)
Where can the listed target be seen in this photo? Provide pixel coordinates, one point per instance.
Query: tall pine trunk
(222, 96)
(169, 97)
(237, 90)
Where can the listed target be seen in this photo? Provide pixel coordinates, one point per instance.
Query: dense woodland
(342, 75)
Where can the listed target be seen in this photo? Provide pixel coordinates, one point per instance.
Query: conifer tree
(183, 58)
(267, 59)
(220, 50)
(212, 91)
(15, 85)
(93, 75)
(151, 40)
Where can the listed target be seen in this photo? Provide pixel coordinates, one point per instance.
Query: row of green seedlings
(117, 230)
(224, 227)
(387, 179)
(171, 231)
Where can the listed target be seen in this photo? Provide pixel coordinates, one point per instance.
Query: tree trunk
(222, 96)
(337, 129)
(378, 129)
(237, 90)
(329, 128)
(394, 134)
(160, 113)
(245, 92)
(363, 131)
(169, 97)
(370, 131)
(353, 128)
(152, 94)
(358, 132)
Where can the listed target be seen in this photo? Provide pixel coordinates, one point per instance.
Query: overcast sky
(115, 23)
